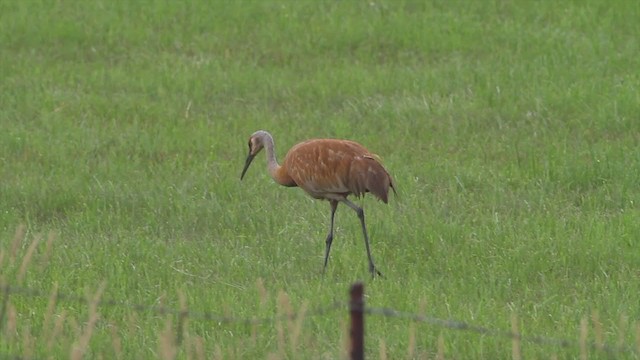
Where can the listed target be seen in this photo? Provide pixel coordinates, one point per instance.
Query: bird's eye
(249, 145)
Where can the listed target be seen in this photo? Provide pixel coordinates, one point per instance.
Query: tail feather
(368, 175)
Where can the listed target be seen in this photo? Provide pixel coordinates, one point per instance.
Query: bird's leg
(334, 206)
(360, 212)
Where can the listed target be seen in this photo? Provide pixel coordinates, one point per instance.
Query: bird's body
(332, 169)
(328, 169)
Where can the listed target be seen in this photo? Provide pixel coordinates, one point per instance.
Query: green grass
(511, 129)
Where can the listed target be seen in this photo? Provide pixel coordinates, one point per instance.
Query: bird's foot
(374, 271)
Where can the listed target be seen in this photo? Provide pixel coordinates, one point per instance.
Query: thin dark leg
(334, 206)
(360, 212)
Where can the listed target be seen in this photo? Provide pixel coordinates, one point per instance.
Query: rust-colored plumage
(327, 169)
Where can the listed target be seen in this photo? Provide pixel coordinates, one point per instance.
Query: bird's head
(256, 143)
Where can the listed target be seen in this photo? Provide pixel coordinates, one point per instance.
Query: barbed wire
(459, 325)
(7, 290)
(165, 310)
(4, 356)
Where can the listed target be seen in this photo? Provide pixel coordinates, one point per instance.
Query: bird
(327, 169)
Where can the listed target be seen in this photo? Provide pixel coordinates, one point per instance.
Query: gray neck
(269, 146)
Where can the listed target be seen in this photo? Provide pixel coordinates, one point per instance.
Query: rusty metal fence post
(356, 307)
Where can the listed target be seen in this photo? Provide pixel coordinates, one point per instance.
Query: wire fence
(354, 306)
(7, 291)
(534, 339)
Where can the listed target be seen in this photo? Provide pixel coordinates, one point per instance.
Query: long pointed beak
(246, 164)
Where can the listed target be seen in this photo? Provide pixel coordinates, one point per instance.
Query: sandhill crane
(327, 169)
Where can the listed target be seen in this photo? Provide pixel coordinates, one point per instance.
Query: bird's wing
(327, 168)
(368, 175)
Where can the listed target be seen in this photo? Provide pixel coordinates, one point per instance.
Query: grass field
(511, 128)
